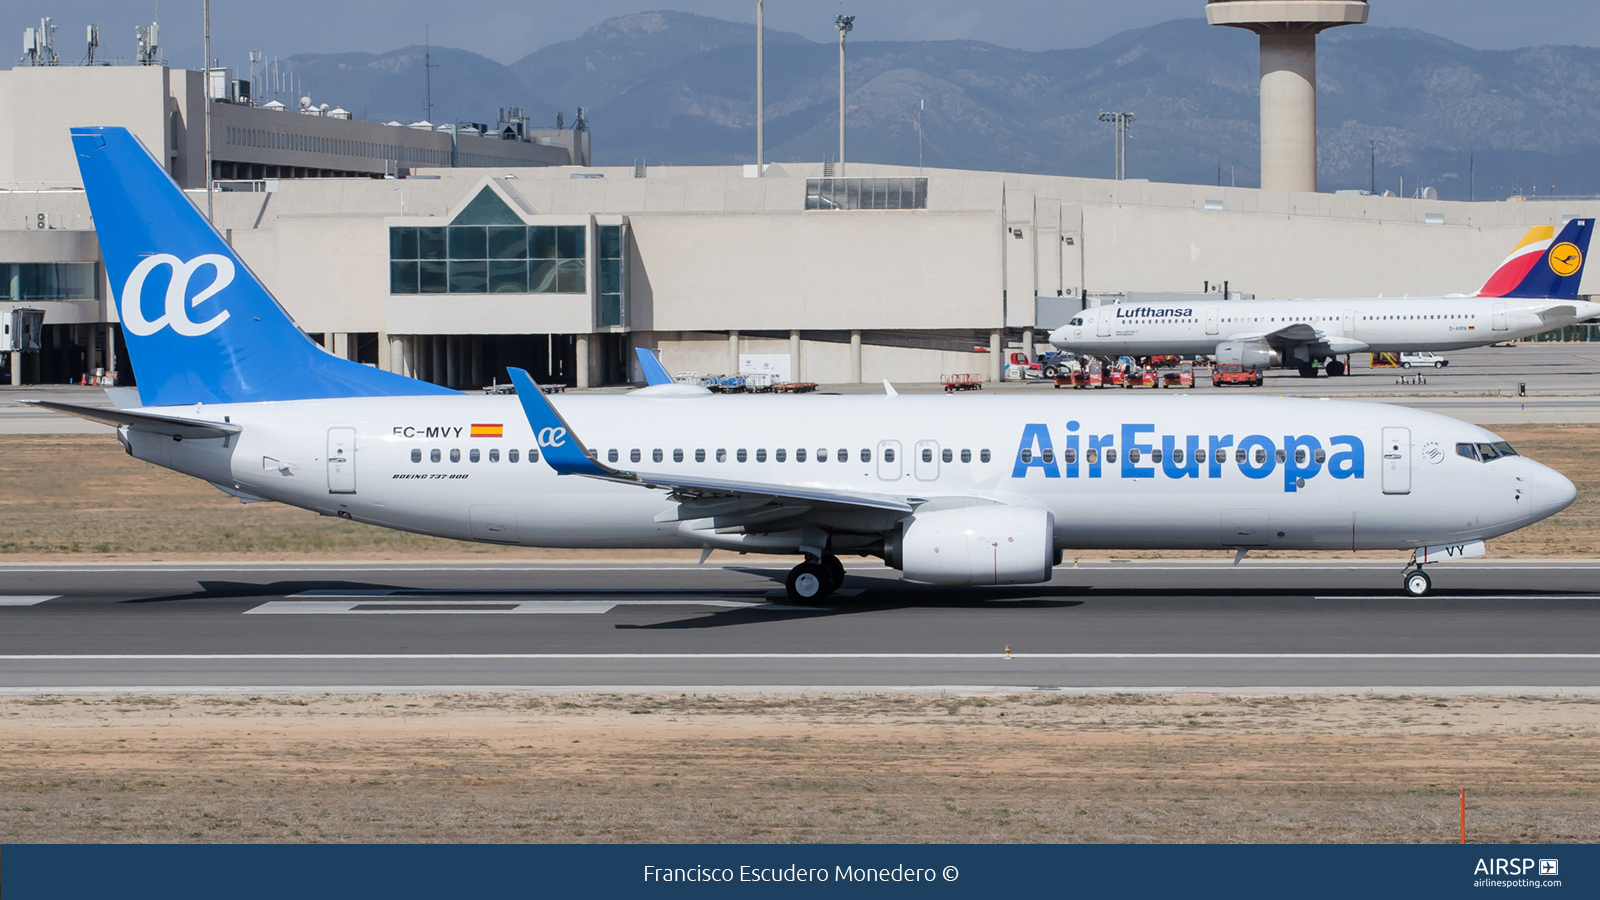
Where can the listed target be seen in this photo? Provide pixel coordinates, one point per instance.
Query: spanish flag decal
(488, 431)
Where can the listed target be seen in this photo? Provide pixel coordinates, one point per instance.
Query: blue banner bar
(237, 872)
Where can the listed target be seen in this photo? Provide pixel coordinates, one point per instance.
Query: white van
(1407, 360)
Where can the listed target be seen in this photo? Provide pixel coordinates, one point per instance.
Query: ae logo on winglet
(1565, 258)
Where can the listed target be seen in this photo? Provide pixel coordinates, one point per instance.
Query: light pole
(1122, 120)
(205, 13)
(845, 25)
(760, 109)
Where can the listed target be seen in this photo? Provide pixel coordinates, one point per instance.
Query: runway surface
(1147, 625)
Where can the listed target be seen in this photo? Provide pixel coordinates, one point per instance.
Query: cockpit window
(1076, 321)
(1485, 452)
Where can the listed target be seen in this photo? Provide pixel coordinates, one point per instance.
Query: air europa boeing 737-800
(1535, 289)
(949, 490)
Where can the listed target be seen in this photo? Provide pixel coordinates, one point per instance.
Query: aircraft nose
(1059, 336)
(1550, 490)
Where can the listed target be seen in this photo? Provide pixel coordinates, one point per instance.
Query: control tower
(1288, 30)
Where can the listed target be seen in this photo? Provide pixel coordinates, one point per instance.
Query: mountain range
(677, 88)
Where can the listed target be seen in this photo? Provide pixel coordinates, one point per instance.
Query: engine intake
(975, 545)
(1253, 354)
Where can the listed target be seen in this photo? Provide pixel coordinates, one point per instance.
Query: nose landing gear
(814, 579)
(1417, 583)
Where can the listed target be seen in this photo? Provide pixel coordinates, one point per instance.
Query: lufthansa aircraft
(948, 489)
(1535, 289)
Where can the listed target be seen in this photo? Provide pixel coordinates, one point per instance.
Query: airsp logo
(175, 315)
(1432, 452)
(552, 437)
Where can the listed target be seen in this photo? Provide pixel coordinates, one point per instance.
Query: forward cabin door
(1499, 317)
(341, 460)
(1350, 322)
(1103, 325)
(1397, 460)
(1211, 321)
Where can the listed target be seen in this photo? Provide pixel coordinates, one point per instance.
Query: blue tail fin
(654, 371)
(201, 328)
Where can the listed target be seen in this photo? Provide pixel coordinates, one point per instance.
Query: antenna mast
(427, 70)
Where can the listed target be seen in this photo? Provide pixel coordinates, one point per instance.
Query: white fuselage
(1351, 475)
(1382, 324)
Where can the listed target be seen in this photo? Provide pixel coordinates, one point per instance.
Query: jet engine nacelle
(1248, 353)
(975, 545)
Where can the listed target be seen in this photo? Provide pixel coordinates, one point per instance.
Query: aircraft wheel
(1308, 371)
(1418, 584)
(808, 581)
(835, 572)
(1335, 369)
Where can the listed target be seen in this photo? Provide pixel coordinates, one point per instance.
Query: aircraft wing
(172, 426)
(1294, 333)
(565, 453)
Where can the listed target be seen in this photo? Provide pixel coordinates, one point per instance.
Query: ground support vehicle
(1233, 373)
(953, 383)
(1183, 378)
(1143, 378)
(794, 387)
(1422, 359)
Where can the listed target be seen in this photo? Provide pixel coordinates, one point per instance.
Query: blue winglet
(654, 371)
(561, 448)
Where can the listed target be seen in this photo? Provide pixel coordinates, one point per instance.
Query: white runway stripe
(489, 606)
(26, 599)
(179, 657)
(1532, 595)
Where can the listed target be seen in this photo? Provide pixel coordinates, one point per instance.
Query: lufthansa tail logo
(1565, 258)
(175, 315)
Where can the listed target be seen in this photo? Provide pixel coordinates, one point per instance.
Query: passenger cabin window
(1048, 454)
(866, 455)
(633, 455)
(761, 454)
(741, 455)
(433, 455)
(888, 454)
(946, 455)
(699, 456)
(722, 455)
(533, 455)
(822, 455)
(611, 455)
(494, 455)
(844, 455)
(416, 454)
(1069, 456)
(966, 456)
(511, 456)
(780, 454)
(1111, 454)
(455, 455)
(473, 454)
(927, 455)
(983, 456)
(677, 456)
(1027, 455)
(655, 455)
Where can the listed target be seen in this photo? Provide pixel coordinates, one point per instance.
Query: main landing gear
(814, 579)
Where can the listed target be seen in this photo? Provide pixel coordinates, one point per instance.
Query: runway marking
(1399, 596)
(174, 657)
(26, 599)
(443, 607)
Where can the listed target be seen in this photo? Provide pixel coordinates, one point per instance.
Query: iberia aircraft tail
(1544, 264)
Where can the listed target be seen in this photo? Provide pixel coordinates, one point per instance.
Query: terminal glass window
(866, 193)
(487, 250)
(609, 254)
(48, 281)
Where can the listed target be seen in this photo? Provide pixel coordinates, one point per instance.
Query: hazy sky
(509, 29)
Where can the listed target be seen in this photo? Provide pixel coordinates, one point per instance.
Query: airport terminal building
(448, 253)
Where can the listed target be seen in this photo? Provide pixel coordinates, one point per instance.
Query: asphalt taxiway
(1512, 626)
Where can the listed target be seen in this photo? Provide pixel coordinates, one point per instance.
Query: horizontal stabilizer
(171, 426)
